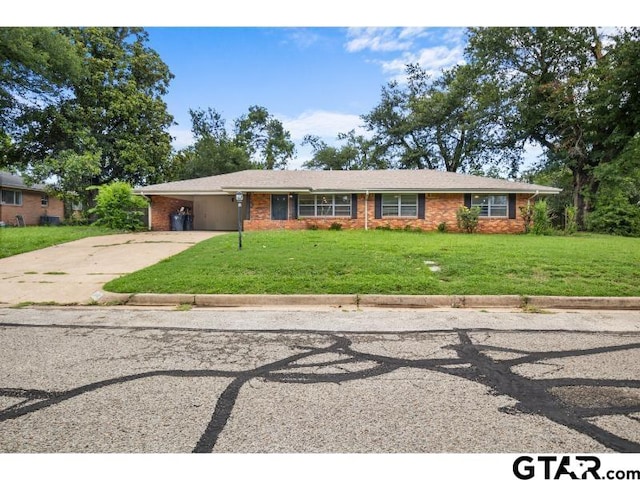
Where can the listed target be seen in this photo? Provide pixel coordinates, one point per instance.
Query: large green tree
(448, 123)
(258, 141)
(214, 152)
(36, 64)
(573, 91)
(113, 124)
(264, 137)
(356, 153)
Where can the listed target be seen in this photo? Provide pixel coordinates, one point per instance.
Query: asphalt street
(371, 381)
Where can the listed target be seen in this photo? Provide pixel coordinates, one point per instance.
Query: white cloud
(381, 39)
(456, 36)
(413, 32)
(181, 138)
(434, 49)
(322, 123)
(303, 37)
(433, 60)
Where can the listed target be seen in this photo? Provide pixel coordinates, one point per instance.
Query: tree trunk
(580, 179)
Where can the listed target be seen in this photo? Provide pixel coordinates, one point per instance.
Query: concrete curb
(588, 303)
(383, 301)
(148, 299)
(274, 300)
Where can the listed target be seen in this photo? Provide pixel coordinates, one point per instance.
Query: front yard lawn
(20, 240)
(390, 262)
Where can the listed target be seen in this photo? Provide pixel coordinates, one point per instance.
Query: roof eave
(232, 190)
(539, 191)
(142, 191)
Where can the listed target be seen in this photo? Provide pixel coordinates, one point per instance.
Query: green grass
(20, 240)
(382, 262)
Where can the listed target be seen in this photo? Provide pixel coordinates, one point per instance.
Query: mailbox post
(239, 198)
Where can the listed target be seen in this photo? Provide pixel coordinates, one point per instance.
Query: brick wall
(32, 209)
(439, 208)
(161, 210)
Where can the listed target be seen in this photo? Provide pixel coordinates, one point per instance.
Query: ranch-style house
(356, 199)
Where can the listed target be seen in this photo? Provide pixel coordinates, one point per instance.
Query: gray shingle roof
(343, 181)
(8, 180)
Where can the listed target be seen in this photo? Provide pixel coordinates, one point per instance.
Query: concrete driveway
(74, 272)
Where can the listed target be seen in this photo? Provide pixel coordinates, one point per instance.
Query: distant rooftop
(9, 180)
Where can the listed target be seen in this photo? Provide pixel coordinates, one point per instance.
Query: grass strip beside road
(391, 262)
(21, 240)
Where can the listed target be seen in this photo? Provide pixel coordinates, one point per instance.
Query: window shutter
(294, 201)
(354, 205)
(512, 205)
(378, 206)
(247, 211)
(421, 205)
(467, 200)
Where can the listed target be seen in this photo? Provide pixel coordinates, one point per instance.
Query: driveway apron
(73, 272)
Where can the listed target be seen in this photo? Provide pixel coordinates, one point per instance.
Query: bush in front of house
(570, 220)
(541, 219)
(117, 207)
(526, 212)
(468, 218)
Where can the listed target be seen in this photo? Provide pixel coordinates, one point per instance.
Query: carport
(216, 212)
(213, 212)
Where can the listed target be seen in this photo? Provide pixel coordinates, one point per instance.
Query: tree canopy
(264, 137)
(214, 151)
(36, 64)
(357, 153)
(574, 91)
(258, 141)
(450, 122)
(108, 123)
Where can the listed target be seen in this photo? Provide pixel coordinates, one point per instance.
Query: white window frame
(17, 197)
(325, 206)
(488, 209)
(44, 200)
(404, 205)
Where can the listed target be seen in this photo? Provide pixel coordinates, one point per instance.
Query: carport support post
(239, 197)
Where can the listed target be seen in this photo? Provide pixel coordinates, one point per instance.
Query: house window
(324, 205)
(400, 205)
(44, 200)
(11, 197)
(491, 205)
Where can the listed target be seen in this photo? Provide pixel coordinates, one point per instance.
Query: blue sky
(314, 80)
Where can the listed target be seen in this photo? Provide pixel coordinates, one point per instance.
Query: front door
(279, 207)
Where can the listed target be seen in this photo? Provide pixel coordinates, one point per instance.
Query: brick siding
(439, 208)
(31, 209)
(161, 210)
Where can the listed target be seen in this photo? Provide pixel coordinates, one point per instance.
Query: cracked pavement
(93, 380)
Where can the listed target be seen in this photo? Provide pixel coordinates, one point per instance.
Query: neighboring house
(363, 199)
(31, 202)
